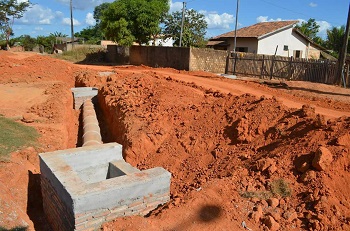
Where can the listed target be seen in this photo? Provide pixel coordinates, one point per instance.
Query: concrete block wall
(117, 54)
(85, 187)
(153, 56)
(208, 60)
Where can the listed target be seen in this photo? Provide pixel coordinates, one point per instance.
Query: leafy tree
(9, 11)
(126, 21)
(335, 38)
(91, 35)
(46, 41)
(99, 10)
(194, 29)
(310, 29)
(26, 41)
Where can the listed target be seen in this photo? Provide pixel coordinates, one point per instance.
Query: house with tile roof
(268, 38)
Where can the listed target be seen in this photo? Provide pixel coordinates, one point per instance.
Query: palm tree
(335, 38)
(58, 34)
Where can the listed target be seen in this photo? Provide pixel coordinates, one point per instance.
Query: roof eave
(276, 31)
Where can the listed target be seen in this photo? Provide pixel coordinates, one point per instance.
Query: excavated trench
(83, 188)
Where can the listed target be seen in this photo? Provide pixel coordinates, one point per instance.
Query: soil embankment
(242, 153)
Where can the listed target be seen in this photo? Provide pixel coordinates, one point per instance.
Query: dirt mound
(34, 68)
(248, 146)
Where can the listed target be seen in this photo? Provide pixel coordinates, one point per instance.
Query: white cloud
(38, 28)
(37, 14)
(84, 4)
(262, 19)
(218, 21)
(312, 4)
(266, 19)
(66, 21)
(324, 26)
(89, 19)
(175, 6)
(59, 14)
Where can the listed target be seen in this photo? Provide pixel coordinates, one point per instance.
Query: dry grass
(278, 187)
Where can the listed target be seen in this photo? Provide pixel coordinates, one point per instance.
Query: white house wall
(251, 43)
(267, 45)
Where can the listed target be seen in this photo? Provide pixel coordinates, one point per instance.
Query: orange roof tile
(257, 30)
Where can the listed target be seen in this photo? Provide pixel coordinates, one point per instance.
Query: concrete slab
(85, 187)
(81, 94)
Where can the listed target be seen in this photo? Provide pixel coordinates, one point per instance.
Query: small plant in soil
(13, 229)
(278, 187)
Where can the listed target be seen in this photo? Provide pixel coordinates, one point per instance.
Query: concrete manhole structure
(84, 187)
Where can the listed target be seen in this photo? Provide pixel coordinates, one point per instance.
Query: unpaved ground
(226, 143)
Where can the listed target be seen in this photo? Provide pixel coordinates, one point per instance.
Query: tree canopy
(9, 11)
(126, 21)
(194, 29)
(310, 29)
(99, 10)
(335, 38)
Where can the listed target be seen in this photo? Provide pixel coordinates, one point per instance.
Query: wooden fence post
(234, 66)
(290, 68)
(227, 63)
(271, 69)
(262, 67)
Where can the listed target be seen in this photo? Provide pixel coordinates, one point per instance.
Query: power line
(296, 12)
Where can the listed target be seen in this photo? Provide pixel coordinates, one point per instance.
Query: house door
(297, 53)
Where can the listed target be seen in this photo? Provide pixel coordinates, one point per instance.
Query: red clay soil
(243, 154)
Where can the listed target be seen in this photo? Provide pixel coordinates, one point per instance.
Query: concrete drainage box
(84, 187)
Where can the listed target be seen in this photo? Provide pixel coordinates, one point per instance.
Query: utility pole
(235, 41)
(71, 23)
(182, 22)
(343, 52)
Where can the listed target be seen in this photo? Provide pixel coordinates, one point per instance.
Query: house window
(298, 53)
(285, 48)
(242, 49)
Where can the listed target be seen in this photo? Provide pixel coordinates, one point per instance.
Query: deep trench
(102, 122)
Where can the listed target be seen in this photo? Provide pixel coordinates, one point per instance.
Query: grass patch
(278, 187)
(19, 228)
(13, 136)
(83, 54)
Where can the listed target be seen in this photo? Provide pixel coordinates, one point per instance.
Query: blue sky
(48, 16)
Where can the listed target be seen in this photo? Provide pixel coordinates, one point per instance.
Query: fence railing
(288, 68)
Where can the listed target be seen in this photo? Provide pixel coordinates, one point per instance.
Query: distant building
(280, 38)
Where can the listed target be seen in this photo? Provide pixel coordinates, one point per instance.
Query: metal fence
(288, 68)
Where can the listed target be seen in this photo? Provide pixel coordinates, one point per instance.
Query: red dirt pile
(270, 166)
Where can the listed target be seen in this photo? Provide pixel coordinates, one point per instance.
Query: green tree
(194, 29)
(126, 21)
(58, 34)
(310, 29)
(9, 11)
(91, 34)
(46, 41)
(26, 41)
(99, 10)
(335, 38)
